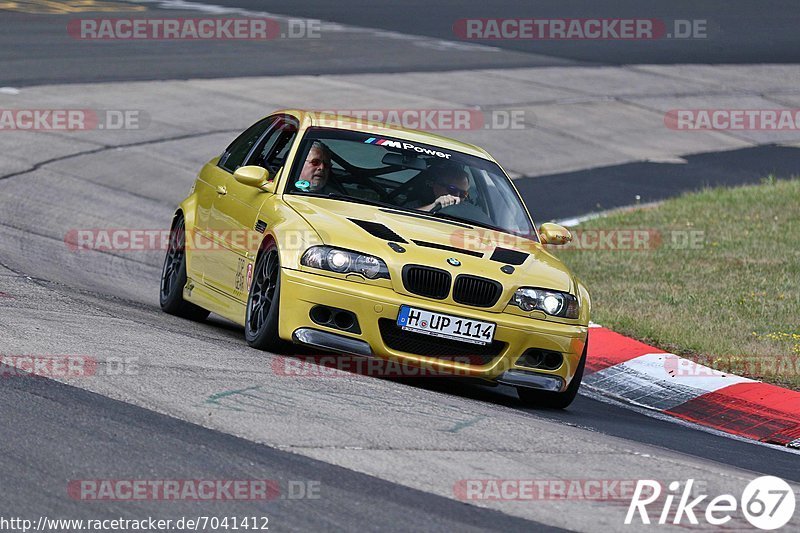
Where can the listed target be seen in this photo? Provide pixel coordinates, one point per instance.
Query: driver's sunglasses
(454, 191)
(316, 162)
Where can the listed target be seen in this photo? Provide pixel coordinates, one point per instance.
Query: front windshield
(396, 173)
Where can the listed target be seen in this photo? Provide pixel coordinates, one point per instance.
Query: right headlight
(553, 303)
(345, 262)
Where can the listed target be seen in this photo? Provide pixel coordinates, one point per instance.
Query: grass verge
(713, 276)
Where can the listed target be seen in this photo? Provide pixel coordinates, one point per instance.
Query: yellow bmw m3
(364, 239)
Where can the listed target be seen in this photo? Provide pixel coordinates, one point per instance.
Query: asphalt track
(374, 37)
(384, 452)
(101, 432)
(736, 32)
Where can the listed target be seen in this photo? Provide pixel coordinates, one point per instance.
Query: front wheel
(555, 400)
(173, 277)
(263, 301)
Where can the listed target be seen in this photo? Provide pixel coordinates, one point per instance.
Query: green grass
(732, 303)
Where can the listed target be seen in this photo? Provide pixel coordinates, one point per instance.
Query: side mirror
(554, 234)
(255, 176)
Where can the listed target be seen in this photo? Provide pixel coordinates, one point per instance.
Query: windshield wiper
(355, 199)
(406, 212)
(481, 224)
(343, 197)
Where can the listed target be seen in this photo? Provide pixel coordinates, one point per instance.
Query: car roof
(341, 121)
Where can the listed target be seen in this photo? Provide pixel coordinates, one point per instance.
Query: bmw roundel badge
(452, 261)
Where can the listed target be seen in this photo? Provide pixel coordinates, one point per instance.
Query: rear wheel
(555, 400)
(263, 301)
(173, 276)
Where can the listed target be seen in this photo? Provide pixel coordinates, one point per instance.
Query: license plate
(445, 326)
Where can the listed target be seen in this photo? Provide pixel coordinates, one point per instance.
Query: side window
(272, 149)
(234, 155)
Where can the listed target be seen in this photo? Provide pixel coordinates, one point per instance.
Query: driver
(317, 168)
(450, 186)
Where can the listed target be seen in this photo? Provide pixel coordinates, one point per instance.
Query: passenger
(317, 169)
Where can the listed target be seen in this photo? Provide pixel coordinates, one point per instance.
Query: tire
(263, 302)
(555, 400)
(173, 277)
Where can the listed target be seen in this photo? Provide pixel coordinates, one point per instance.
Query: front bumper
(376, 309)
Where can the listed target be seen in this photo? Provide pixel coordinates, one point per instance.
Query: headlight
(369, 266)
(553, 303)
(344, 262)
(339, 260)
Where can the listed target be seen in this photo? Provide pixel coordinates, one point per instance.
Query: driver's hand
(447, 200)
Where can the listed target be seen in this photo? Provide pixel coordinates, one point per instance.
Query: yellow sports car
(365, 239)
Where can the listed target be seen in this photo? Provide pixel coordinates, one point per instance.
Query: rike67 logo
(767, 502)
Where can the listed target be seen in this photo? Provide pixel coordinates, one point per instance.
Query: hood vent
(378, 230)
(508, 256)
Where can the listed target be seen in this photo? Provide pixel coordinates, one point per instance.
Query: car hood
(482, 252)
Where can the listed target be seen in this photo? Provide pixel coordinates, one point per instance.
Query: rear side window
(235, 154)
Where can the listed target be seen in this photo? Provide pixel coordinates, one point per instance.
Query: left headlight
(553, 303)
(345, 262)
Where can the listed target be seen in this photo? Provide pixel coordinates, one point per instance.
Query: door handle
(222, 190)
